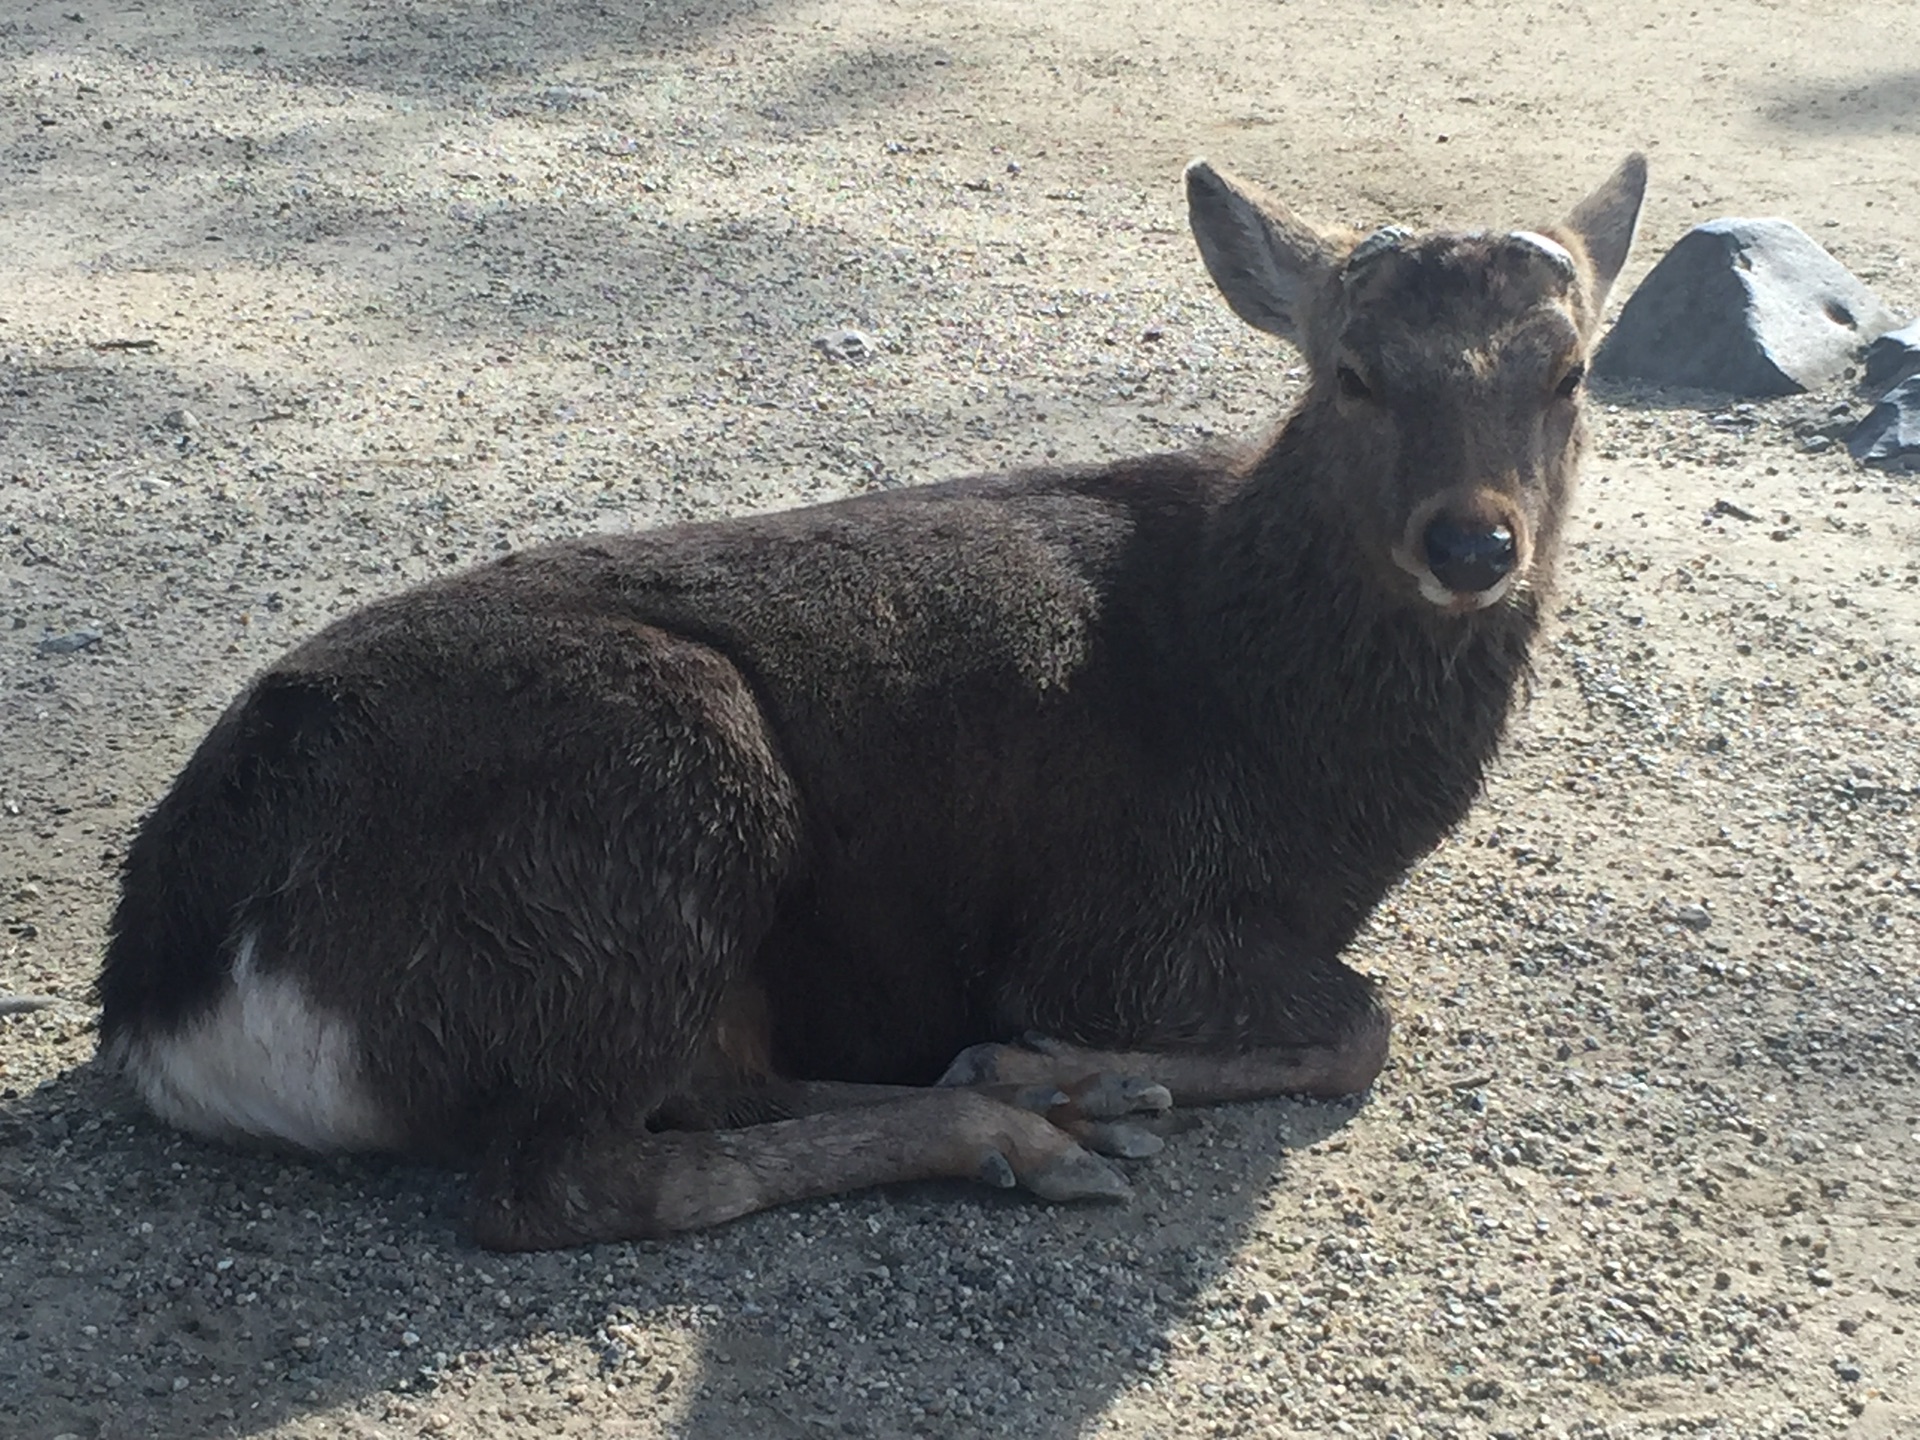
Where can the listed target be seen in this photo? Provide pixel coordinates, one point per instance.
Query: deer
(953, 831)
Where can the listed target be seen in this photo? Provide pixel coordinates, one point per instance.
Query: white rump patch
(1561, 257)
(264, 1064)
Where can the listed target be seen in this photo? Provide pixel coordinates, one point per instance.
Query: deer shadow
(425, 51)
(164, 1286)
(1880, 104)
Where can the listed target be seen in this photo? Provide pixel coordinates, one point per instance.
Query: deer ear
(1605, 223)
(1267, 264)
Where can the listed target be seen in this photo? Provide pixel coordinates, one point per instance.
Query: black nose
(1468, 559)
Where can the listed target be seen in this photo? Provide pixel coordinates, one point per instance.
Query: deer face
(1447, 374)
(1456, 365)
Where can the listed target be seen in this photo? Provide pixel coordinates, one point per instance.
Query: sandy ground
(301, 302)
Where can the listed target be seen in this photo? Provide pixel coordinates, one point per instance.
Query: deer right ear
(1267, 264)
(1605, 222)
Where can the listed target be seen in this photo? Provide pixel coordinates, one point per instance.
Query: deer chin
(1471, 514)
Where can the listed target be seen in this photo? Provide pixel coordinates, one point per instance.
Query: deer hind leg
(543, 1191)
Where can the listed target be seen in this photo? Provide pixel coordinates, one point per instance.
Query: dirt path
(301, 302)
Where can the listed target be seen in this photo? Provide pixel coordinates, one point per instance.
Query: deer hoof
(1108, 1097)
(1078, 1175)
(975, 1065)
(1123, 1142)
(995, 1171)
(1040, 1098)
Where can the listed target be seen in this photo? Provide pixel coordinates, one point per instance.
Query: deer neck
(1302, 624)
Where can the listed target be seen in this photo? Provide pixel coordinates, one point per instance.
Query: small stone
(71, 643)
(1748, 307)
(847, 344)
(183, 420)
(1889, 437)
(1820, 1276)
(568, 97)
(1694, 917)
(1893, 357)
(1848, 1373)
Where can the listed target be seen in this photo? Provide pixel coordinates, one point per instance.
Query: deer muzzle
(1468, 558)
(1464, 549)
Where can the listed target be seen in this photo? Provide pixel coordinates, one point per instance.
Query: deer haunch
(655, 877)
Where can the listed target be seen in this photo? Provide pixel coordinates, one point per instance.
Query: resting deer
(658, 879)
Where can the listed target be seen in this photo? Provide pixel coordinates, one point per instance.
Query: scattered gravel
(300, 304)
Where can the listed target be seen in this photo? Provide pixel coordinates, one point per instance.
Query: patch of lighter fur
(264, 1064)
(1496, 592)
(1561, 257)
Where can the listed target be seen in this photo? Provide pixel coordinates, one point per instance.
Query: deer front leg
(543, 1192)
(1345, 1067)
(1099, 1111)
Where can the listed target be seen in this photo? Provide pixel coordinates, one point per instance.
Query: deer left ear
(1268, 264)
(1605, 221)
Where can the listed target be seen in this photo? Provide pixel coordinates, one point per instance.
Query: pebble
(1888, 438)
(847, 344)
(1349, 1284)
(70, 643)
(1892, 358)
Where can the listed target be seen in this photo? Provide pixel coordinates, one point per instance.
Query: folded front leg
(1343, 1067)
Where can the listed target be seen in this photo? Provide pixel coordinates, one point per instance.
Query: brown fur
(629, 835)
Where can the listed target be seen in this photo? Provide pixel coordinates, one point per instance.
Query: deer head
(1443, 417)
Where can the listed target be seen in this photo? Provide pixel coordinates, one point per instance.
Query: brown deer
(661, 879)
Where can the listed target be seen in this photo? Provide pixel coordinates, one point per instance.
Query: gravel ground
(302, 302)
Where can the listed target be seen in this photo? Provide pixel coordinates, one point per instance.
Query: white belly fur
(265, 1064)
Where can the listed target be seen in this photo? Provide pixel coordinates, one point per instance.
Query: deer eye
(1571, 382)
(1351, 385)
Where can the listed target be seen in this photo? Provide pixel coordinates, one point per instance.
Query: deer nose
(1468, 558)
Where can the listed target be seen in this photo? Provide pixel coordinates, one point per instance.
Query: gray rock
(1893, 357)
(1694, 917)
(71, 643)
(1750, 307)
(847, 344)
(1889, 437)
